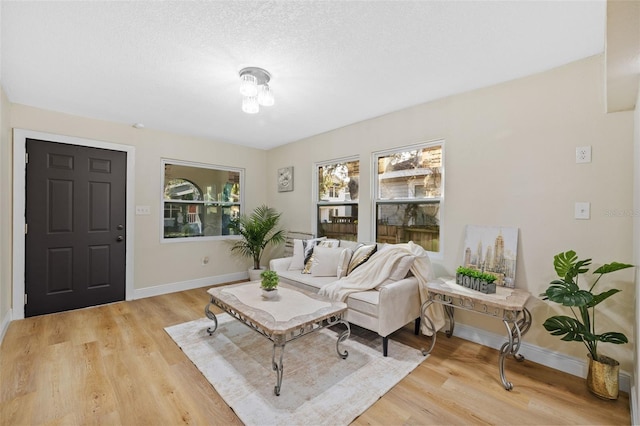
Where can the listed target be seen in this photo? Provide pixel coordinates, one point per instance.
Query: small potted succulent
(269, 284)
(476, 280)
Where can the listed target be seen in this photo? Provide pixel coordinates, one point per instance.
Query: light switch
(582, 210)
(143, 210)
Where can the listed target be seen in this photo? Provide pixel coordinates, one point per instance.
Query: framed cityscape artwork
(492, 249)
(285, 179)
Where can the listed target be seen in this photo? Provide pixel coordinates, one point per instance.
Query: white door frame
(20, 137)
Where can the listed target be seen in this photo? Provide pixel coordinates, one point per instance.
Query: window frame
(316, 190)
(375, 200)
(240, 203)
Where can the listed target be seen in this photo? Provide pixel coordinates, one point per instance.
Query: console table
(506, 304)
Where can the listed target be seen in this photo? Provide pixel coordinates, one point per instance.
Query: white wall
(5, 214)
(509, 160)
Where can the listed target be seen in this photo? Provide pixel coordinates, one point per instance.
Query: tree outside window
(409, 198)
(337, 204)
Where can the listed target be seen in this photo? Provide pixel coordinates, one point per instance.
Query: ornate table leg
(516, 328)
(341, 338)
(452, 322)
(278, 352)
(430, 326)
(212, 317)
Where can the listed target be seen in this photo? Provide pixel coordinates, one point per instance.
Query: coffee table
(293, 313)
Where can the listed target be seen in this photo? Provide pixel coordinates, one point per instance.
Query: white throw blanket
(378, 269)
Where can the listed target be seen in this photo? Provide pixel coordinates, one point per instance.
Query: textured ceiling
(174, 65)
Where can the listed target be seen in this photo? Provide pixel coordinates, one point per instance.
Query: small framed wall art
(285, 179)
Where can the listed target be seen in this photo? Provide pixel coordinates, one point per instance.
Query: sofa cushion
(361, 255)
(300, 249)
(343, 263)
(297, 260)
(308, 245)
(325, 261)
(319, 242)
(349, 244)
(365, 302)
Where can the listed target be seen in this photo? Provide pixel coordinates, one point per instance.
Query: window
(409, 195)
(338, 185)
(199, 200)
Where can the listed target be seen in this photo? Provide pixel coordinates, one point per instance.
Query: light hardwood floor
(115, 365)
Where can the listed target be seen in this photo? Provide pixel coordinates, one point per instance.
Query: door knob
(120, 227)
(120, 238)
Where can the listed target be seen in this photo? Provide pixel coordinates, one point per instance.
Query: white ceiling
(174, 65)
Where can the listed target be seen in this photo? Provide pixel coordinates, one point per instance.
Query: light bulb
(248, 85)
(250, 104)
(265, 95)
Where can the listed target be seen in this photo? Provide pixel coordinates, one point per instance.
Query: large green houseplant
(581, 327)
(257, 230)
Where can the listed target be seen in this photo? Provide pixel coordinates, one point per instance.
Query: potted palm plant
(257, 231)
(602, 378)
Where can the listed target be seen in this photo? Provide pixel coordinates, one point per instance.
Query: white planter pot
(254, 274)
(269, 294)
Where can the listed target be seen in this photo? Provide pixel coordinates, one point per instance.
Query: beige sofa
(383, 309)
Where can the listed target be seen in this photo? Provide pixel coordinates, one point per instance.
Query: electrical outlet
(583, 154)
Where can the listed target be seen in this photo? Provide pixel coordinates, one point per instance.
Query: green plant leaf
(613, 337)
(257, 231)
(568, 266)
(612, 267)
(569, 328)
(567, 294)
(474, 273)
(563, 262)
(602, 296)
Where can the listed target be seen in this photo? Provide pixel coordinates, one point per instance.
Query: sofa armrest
(398, 305)
(281, 264)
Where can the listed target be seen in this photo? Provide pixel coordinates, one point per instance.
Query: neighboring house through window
(199, 200)
(409, 195)
(338, 183)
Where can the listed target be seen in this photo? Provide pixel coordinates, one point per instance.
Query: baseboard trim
(565, 363)
(4, 326)
(159, 290)
(633, 405)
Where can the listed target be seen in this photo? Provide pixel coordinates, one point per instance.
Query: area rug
(318, 387)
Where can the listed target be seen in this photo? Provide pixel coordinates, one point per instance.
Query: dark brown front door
(75, 214)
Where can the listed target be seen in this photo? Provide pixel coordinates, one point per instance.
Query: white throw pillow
(329, 243)
(325, 261)
(297, 261)
(308, 246)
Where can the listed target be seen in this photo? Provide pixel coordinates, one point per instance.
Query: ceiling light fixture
(255, 90)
